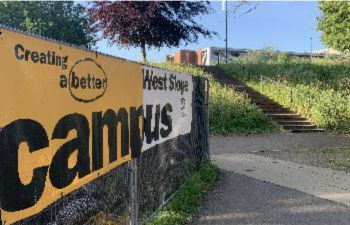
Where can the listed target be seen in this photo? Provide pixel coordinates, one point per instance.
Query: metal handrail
(272, 80)
(291, 90)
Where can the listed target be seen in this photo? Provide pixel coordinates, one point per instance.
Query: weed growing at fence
(187, 199)
(325, 81)
(229, 112)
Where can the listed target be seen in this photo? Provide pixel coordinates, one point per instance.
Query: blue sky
(287, 26)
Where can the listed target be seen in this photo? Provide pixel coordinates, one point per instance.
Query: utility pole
(226, 31)
(311, 49)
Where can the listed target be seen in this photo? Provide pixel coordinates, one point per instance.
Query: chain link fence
(133, 192)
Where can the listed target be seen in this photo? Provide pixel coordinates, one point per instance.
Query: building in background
(327, 51)
(213, 55)
(207, 56)
(184, 56)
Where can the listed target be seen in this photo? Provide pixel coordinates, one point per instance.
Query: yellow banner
(67, 116)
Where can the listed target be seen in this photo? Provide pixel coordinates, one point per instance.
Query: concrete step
(276, 110)
(298, 127)
(250, 90)
(262, 102)
(242, 87)
(290, 119)
(259, 98)
(316, 130)
(294, 122)
(271, 106)
(267, 104)
(279, 116)
(283, 116)
(258, 95)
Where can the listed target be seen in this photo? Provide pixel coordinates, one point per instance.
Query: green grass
(186, 201)
(324, 83)
(337, 158)
(229, 112)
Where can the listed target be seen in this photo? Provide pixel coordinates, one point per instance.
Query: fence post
(261, 83)
(291, 96)
(134, 203)
(1, 220)
(207, 118)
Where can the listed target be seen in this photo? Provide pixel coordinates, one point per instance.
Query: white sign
(167, 98)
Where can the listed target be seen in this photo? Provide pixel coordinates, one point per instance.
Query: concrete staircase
(282, 116)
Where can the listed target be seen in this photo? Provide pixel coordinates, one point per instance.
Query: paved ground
(320, 182)
(240, 200)
(271, 195)
(339, 160)
(279, 141)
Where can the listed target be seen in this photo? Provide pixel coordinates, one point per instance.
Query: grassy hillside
(230, 112)
(320, 89)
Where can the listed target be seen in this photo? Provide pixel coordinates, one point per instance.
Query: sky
(286, 26)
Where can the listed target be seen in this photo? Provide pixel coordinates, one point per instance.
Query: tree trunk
(143, 50)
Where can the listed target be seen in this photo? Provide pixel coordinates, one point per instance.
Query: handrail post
(290, 90)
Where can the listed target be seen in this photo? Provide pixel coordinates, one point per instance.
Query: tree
(149, 23)
(334, 23)
(64, 21)
(243, 7)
